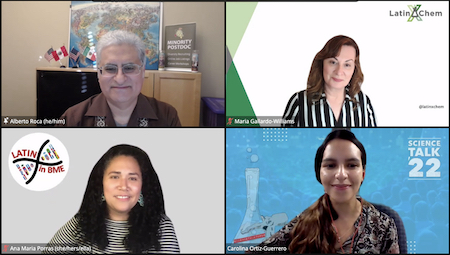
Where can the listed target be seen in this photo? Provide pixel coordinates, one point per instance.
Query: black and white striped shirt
(321, 115)
(116, 232)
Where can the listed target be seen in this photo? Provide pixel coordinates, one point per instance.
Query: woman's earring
(141, 200)
(103, 199)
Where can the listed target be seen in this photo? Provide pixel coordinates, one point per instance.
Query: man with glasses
(121, 67)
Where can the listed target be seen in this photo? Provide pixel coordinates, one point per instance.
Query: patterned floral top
(377, 234)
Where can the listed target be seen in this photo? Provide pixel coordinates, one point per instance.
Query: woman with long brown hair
(339, 221)
(122, 209)
(333, 96)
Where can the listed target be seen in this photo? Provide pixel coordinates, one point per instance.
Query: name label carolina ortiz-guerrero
(256, 248)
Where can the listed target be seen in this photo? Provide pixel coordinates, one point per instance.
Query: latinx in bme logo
(40, 159)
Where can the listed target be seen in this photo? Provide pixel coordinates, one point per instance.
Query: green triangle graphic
(237, 19)
(237, 104)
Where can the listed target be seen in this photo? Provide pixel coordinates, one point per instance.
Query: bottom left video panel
(57, 181)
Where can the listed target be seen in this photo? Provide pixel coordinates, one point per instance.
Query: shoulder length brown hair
(316, 83)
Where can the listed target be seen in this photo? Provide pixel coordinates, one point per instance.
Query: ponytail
(313, 233)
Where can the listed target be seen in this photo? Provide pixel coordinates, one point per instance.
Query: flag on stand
(48, 55)
(60, 53)
(74, 54)
(89, 53)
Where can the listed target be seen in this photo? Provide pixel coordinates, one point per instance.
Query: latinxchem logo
(415, 13)
(38, 162)
(414, 9)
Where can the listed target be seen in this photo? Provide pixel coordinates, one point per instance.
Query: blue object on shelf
(213, 112)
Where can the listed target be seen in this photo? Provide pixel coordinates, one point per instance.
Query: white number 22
(419, 164)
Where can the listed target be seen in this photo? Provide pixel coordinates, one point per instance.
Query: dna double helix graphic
(37, 160)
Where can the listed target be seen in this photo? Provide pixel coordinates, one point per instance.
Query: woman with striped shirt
(122, 210)
(333, 97)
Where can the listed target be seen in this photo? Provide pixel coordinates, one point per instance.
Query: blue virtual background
(287, 183)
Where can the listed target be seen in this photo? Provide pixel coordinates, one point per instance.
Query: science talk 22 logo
(38, 162)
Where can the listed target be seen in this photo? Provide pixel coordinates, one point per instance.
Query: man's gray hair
(120, 37)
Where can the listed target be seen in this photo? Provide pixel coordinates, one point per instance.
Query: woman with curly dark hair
(333, 96)
(340, 221)
(122, 208)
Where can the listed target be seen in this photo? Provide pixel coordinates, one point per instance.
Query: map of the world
(91, 20)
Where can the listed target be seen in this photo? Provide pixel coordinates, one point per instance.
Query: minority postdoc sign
(179, 42)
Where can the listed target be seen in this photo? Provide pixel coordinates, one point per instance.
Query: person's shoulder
(361, 95)
(371, 209)
(290, 225)
(164, 218)
(297, 95)
(86, 103)
(68, 232)
(164, 111)
(73, 222)
(159, 104)
(73, 116)
(300, 93)
(166, 225)
(384, 214)
(168, 238)
(81, 108)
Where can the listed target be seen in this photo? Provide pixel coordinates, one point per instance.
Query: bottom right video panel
(286, 189)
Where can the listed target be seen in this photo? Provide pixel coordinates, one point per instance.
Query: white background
(189, 163)
(405, 64)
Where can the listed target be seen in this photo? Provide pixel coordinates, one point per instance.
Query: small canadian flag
(60, 53)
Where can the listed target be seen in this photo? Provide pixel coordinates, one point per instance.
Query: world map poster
(89, 21)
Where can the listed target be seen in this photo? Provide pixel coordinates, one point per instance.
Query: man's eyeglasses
(127, 69)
